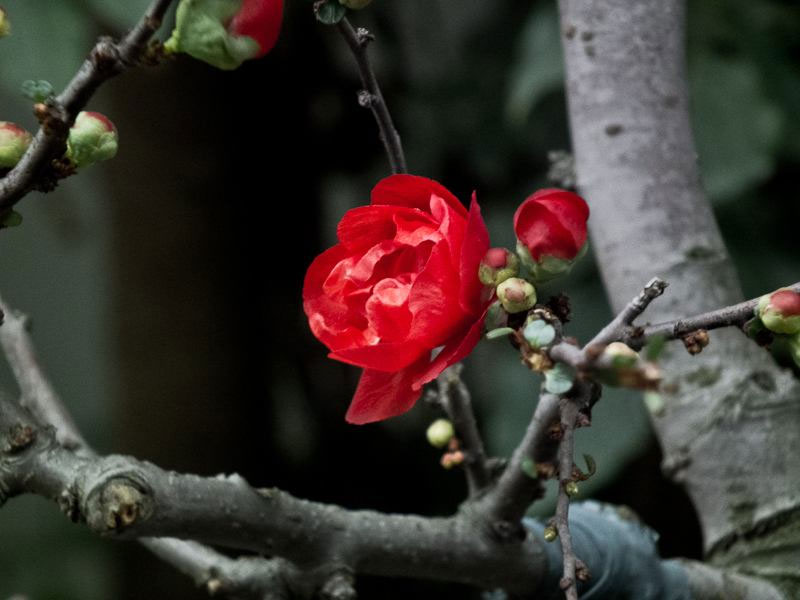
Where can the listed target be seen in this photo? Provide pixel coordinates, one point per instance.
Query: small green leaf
(559, 379)
(330, 12)
(654, 403)
(655, 347)
(37, 90)
(539, 333)
(11, 219)
(499, 332)
(591, 465)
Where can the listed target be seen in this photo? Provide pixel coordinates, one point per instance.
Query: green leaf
(37, 90)
(539, 333)
(591, 465)
(655, 346)
(331, 12)
(499, 332)
(559, 379)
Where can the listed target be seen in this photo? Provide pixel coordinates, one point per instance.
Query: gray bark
(729, 431)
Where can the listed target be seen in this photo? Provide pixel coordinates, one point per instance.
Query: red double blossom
(552, 222)
(402, 281)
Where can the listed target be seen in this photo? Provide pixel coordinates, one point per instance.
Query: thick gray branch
(729, 429)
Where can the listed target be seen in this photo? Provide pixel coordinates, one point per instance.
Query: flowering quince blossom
(225, 33)
(402, 281)
(551, 231)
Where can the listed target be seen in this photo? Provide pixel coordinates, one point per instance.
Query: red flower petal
(389, 356)
(476, 243)
(455, 350)
(381, 395)
(413, 191)
(429, 301)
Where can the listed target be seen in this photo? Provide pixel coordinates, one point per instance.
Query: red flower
(552, 223)
(402, 280)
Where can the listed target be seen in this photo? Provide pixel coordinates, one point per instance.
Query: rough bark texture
(729, 431)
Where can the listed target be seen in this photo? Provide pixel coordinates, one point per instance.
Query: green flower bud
(516, 295)
(571, 488)
(550, 534)
(621, 355)
(498, 265)
(439, 433)
(93, 138)
(14, 141)
(5, 25)
(780, 311)
(355, 4)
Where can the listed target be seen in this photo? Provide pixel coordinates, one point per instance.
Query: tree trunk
(731, 417)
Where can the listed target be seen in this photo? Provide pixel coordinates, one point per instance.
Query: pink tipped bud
(516, 295)
(93, 138)
(498, 265)
(225, 34)
(780, 311)
(14, 141)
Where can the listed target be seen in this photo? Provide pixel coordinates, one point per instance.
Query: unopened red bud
(498, 265)
(14, 141)
(516, 295)
(780, 311)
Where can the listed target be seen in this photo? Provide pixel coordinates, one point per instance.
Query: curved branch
(106, 60)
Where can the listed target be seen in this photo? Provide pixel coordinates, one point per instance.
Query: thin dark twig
(457, 403)
(566, 449)
(104, 61)
(371, 97)
(611, 332)
(735, 315)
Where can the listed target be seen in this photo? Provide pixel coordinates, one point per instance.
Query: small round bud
(439, 433)
(571, 488)
(498, 265)
(621, 355)
(93, 138)
(355, 4)
(14, 141)
(5, 25)
(780, 311)
(516, 295)
(550, 534)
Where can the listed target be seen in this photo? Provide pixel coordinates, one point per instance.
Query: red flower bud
(780, 311)
(551, 232)
(226, 33)
(14, 141)
(498, 265)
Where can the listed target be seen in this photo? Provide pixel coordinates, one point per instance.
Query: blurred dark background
(165, 286)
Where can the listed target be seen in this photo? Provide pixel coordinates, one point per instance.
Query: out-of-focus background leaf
(165, 289)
